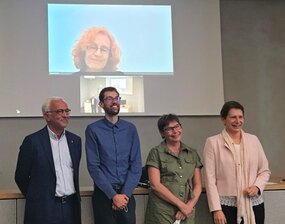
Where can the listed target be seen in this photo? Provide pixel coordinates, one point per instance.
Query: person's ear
(101, 104)
(223, 120)
(162, 134)
(46, 116)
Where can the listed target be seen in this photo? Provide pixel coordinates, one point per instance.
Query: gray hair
(47, 102)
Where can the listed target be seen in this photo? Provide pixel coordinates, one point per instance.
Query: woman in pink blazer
(236, 171)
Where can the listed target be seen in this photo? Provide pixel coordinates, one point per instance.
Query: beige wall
(253, 48)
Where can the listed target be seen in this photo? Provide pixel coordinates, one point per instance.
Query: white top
(62, 164)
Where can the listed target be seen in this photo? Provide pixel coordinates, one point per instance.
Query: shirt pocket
(189, 160)
(190, 166)
(167, 171)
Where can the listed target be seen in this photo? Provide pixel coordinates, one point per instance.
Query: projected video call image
(110, 45)
(131, 89)
(88, 38)
(163, 56)
(96, 51)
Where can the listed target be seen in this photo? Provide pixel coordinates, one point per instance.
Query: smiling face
(97, 53)
(172, 132)
(111, 103)
(234, 121)
(57, 118)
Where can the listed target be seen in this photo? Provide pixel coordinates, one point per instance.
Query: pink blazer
(219, 168)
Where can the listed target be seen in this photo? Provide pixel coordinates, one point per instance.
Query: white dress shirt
(62, 164)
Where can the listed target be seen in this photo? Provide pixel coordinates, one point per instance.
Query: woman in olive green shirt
(174, 171)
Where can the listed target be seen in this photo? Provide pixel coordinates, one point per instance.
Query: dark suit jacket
(36, 178)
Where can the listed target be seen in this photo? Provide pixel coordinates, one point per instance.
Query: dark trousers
(104, 214)
(57, 210)
(231, 214)
(66, 211)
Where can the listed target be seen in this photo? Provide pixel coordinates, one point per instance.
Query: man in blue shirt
(114, 162)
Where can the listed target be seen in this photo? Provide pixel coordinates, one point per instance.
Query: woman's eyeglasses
(94, 48)
(174, 128)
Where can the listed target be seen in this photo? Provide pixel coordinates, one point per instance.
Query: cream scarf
(244, 206)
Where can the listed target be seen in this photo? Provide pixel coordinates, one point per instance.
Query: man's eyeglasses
(174, 128)
(94, 48)
(112, 99)
(60, 111)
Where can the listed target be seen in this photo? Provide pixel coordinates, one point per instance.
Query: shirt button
(181, 176)
(180, 167)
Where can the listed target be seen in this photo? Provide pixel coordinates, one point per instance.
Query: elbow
(198, 188)
(154, 186)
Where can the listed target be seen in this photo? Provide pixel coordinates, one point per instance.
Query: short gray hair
(46, 104)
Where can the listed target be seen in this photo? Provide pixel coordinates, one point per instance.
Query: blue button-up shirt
(113, 156)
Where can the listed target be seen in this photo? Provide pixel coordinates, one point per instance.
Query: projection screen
(168, 57)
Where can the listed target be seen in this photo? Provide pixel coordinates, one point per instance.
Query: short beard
(111, 112)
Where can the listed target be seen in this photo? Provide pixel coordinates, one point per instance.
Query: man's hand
(120, 201)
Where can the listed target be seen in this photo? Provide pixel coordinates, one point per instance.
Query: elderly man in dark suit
(47, 170)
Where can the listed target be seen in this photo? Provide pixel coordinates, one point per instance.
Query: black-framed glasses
(112, 99)
(94, 48)
(174, 128)
(60, 111)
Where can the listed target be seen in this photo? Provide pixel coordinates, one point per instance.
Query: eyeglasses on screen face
(112, 99)
(94, 48)
(60, 111)
(174, 128)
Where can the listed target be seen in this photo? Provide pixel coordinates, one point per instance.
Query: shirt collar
(53, 135)
(183, 147)
(110, 124)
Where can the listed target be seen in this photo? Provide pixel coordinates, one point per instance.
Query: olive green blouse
(176, 174)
